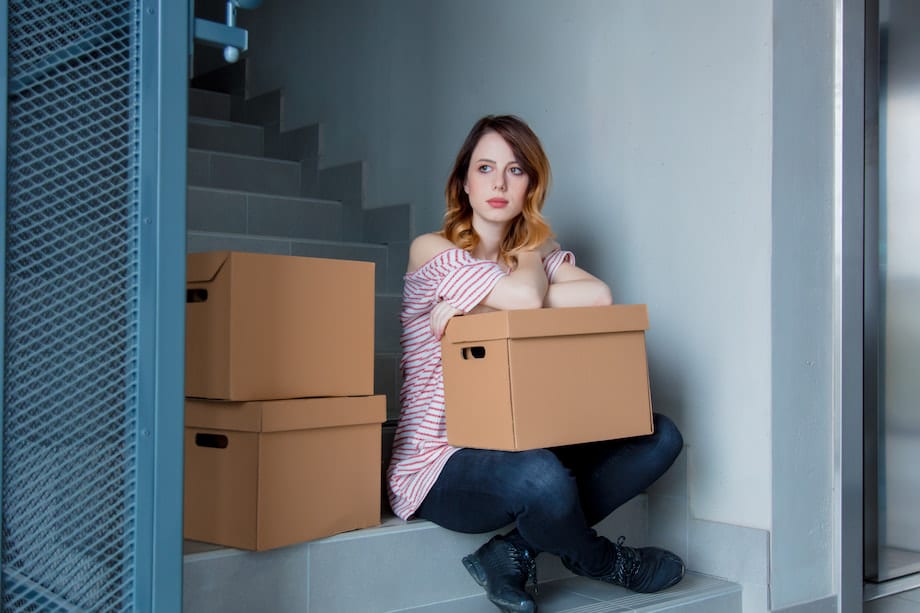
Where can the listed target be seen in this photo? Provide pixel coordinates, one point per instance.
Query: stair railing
(234, 40)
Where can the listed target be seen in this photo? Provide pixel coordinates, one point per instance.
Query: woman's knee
(668, 437)
(542, 478)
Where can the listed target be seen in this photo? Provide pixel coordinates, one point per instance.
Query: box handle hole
(196, 295)
(215, 441)
(476, 353)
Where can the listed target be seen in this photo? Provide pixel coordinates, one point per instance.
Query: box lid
(283, 415)
(528, 323)
(203, 267)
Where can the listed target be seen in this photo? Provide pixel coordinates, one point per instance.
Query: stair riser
(388, 224)
(212, 105)
(243, 213)
(249, 174)
(226, 137)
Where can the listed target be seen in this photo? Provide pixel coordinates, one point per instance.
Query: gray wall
(681, 177)
(802, 307)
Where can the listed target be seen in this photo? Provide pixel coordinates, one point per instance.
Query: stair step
(234, 211)
(225, 136)
(400, 565)
(204, 103)
(695, 594)
(243, 172)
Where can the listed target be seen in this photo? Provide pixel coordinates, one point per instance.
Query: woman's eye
(517, 171)
(485, 168)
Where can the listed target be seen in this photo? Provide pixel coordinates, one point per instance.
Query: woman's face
(495, 182)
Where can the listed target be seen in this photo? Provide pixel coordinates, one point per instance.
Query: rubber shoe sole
(479, 576)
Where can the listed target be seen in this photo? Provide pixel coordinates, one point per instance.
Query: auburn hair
(529, 229)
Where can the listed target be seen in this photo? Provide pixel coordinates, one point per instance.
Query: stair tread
(311, 241)
(192, 88)
(211, 121)
(311, 199)
(246, 156)
(580, 595)
(390, 524)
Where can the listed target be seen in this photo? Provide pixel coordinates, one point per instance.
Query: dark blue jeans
(554, 495)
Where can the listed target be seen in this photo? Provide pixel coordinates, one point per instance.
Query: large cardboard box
(528, 379)
(262, 327)
(260, 475)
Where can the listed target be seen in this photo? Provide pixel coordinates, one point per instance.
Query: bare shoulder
(425, 247)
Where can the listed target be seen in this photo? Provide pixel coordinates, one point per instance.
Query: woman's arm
(573, 287)
(523, 288)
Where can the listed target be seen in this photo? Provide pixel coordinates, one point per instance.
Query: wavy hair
(529, 229)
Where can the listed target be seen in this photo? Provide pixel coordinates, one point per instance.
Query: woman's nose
(498, 183)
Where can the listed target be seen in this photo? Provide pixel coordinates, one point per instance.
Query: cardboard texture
(516, 380)
(261, 327)
(260, 475)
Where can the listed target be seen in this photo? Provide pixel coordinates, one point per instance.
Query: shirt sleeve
(466, 281)
(556, 259)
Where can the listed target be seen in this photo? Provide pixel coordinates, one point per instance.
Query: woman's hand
(440, 315)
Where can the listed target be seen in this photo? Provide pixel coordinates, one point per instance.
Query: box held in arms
(528, 379)
(260, 475)
(262, 327)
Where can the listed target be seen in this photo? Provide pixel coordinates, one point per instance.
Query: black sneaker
(646, 569)
(503, 569)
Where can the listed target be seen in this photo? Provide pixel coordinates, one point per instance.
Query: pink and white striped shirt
(420, 448)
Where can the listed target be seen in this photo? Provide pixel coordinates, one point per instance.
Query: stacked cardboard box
(528, 379)
(282, 430)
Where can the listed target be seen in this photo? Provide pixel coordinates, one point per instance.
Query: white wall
(802, 302)
(656, 116)
(359, 68)
(660, 144)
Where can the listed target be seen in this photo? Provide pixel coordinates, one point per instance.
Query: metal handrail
(234, 40)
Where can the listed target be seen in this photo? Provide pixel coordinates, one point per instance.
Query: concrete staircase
(252, 188)
(255, 188)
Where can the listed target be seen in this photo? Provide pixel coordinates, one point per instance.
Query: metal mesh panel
(70, 393)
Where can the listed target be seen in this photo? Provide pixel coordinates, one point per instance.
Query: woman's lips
(497, 203)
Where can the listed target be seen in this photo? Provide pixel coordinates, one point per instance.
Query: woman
(496, 251)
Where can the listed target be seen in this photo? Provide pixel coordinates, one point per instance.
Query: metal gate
(91, 419)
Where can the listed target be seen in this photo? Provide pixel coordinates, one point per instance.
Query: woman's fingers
(440, 315)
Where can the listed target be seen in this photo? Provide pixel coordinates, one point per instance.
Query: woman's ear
(466, 188)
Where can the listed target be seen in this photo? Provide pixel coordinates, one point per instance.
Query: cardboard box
(260, 475)
(262, 327)
(528, 379)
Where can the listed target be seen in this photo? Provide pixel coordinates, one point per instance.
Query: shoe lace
(525, 563)
(627, 563)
